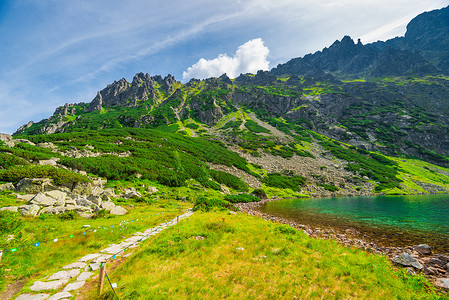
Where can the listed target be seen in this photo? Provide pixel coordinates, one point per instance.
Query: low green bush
(278, 180)
(207, 204)
(241, 198)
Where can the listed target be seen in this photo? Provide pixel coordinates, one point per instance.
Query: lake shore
(434, 265)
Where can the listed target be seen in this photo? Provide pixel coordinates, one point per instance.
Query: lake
(388, 220)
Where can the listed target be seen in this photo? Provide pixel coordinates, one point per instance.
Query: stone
(89, 257)
(48, 162)
(443, 282)
(58, 195)
(423, 249)
(50, 285)
(75, 265)
(10, 208)
(5, 137)
(64, 274)
(224, 189)
(84, 276)
(70, 201)
(33, 297)
(82, 188)
(132, 193)
(95, 199)
(118, 211)
(53, 210)
(29, 210)
(24, 141)
(112, 249)
(26, 197)
(86, 226)
(73, 286)
(97, 191)
(407, 260)
(34, 185)
(84, 202)
(109, 192)
(411, 271)
(61, 295)
(94, 266)
(42, 200)
(107, 205)
(7, 186)
(152, 190)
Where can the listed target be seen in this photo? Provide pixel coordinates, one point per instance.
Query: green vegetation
(237, 254)
(241, 198)
(278, 180)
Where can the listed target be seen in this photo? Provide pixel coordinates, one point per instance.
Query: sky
(54, 52)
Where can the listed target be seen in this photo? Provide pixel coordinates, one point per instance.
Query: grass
(243, 257)
(49, 257)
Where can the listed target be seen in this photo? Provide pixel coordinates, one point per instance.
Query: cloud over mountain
(249, 58)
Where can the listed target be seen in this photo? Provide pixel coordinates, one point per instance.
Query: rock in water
(423, 249)
(407, 260)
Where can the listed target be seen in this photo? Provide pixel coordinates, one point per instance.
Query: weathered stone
(80, 209)
(107, 205)
(97, 191)
(443, 282)
(10, 208)
(34, 185)
(75, 265)
(7, 186)
(26, 197)
(152, 190)
(73, 286)
(423, 249)
(5, 137)
(64, 274)
(48, 162)
(50, 285)
(95, 199)
(24, 141)
(89, 257)
(406, 260)
(84, 276)
(59, 196)
(224, 189)
(33, 297)
(29, 210)
(118, 211)
(48, 145)
(132, 193)
(84, 202)
(61, 295)
(109, 192)
(82, 188)
(70, 201)
(112, 249)
(53, 210)
(94, 266)
(42, 200)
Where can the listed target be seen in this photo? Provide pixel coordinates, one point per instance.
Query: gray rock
(34, 185)
(406, 260)
(26, 197)
(45, 286)
(118, 211)
(95, 199)
(107, 205)
(48, 145)
(7, 186)
(132, 193)
(84, 276)
(64, 274)
(84, 202)
(70, 201)
(42, 200)
(152, 190)
(29, 210)
(10, 208)
(443, 282)
(109, 192)
(82, 188)
(97, 191)
(411, 271)
(48, 162)
(423, 249)
(89, 257)
(53, 210)
(24, 141)
(75, 265)
(33, 297)
(61, 295)
(58, 195)
(224, 189)
(94, 266)
(73, 286)
(5, 137)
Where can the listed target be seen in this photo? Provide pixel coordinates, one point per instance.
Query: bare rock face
(7, 186)
(34, 185)
(43, 200)
(5, 137)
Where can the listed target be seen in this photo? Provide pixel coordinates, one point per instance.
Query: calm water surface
(390, 220)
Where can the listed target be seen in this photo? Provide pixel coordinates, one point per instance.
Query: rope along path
(78, 272)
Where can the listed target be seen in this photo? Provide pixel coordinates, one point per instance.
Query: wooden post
(102, 272)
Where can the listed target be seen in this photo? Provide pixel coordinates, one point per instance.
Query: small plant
(68, 215)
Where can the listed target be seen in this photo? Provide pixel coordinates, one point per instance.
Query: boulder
(70, 201)
(53, 210)
(407, 260)
(109, 192)
(224, 189)
(29, 210)
(118, 211)
(84, 202)
(423, 249)
(48, 162)
(34, 185)
(443, 282)
(7, 186)
(10, 208)
(26, 197)
(42, 200)
(25, 141)
(81, 188)
(152, 190)
(5, 137)
(132, 193)
(97, 191)
(95, 199)
(107, 205)
(58, 195)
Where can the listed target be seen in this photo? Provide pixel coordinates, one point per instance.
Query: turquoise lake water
(408, 219)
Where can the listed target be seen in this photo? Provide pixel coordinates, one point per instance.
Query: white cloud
(249, 58)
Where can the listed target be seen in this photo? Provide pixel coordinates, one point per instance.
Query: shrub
(260, 193)
(229, 180)
(329, 187)
(68, 215)
(207, 204)
(285, 229)
(278, 180)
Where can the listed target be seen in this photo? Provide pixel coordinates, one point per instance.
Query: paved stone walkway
(73, 276)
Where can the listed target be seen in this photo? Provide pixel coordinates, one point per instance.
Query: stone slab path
(73, 276)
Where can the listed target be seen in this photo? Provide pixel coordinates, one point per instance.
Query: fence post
(102, 272)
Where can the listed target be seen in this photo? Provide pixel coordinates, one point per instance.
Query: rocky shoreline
(417, 258)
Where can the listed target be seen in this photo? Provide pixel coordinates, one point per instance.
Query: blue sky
(54, 51)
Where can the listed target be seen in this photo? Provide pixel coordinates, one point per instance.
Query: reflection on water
(398, 220)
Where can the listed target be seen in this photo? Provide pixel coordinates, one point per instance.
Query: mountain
(424, 50)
